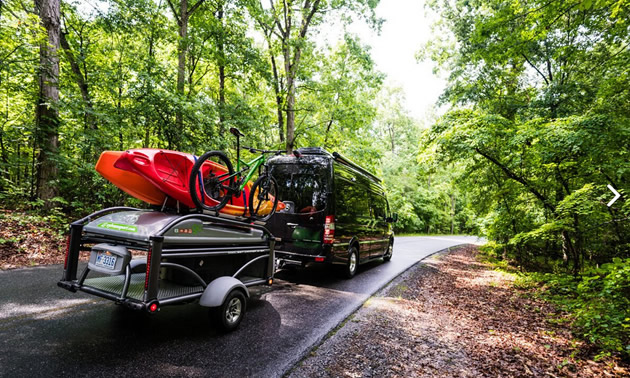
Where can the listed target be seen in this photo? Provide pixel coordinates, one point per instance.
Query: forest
(533, 126)
(160, 74)
(538, 127)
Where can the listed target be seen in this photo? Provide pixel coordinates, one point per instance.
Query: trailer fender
(216, 292)
(138, 265)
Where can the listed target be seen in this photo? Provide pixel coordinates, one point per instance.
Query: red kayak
(131, 183)
(169, 171)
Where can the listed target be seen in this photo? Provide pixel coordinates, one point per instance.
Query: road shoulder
(451, 316)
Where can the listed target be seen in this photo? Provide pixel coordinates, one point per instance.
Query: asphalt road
(47, 331)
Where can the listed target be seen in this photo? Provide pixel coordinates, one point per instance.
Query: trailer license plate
(106, 261)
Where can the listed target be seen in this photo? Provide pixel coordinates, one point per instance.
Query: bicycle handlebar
(251, 149)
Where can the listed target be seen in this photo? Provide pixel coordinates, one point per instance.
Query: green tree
(46, 115)
(337, 98)
(20, 38)
(286, 26)
(533, 81)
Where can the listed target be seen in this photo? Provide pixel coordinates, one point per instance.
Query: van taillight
(65, 263)
(329, 229)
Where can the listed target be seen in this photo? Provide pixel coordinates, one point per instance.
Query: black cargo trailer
(145, 259)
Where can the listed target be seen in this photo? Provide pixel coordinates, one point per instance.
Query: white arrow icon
(616, 193)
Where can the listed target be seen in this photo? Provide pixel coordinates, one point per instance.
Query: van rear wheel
(353, 262)
(390, 251)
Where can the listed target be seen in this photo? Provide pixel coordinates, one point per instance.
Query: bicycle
(214, 175)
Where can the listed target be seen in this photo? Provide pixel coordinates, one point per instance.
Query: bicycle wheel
(209, 177)
(263, 198)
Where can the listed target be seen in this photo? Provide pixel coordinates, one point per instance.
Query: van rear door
(304, 185)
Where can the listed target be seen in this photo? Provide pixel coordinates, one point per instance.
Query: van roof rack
(313, 151)
(338, 157)
(342, 159)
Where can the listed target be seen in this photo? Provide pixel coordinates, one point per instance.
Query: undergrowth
(597, 302)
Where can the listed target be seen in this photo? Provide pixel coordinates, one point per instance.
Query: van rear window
(306, 185)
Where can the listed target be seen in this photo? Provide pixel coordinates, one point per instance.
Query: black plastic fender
(216, 292)
(138, 265)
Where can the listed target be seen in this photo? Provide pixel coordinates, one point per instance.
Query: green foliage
(338, 103)
(598, 303)
(424, 193)
(603, 313)
(118, 90)
(540, 124)
(55, 221)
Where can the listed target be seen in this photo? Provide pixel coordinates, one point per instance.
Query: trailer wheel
(229, 315)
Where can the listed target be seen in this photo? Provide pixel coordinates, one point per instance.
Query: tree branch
(194, 7)
(306, 22)
(10, 53)
(10, 11)
(287, 17)
(303, 29)
(536, 68)
(276, 21)
(170, 4)
(518, 179)
(534, 10)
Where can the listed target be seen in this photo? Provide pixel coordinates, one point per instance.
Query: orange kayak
(169, 171)
(129, 182)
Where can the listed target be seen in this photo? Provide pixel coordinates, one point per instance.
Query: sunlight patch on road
(476, 241)
(17, 310)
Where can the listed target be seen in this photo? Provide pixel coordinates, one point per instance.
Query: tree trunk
(18, 177)
(291, 65)
(277, 90)
(3, 150)
(149, 88)
(33, 174)
(452, 214)
(328, 127)
(391, 137)
(290, 110)
(47, 117)
(121, 139)
(79, 79)
(3, 155)
(182, 48)
(221, 64)
(568, 250)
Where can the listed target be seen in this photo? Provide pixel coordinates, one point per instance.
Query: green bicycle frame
(252, 166)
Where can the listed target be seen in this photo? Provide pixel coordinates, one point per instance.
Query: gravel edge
(342, 329)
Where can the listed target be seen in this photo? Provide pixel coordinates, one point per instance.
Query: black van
(336, 212)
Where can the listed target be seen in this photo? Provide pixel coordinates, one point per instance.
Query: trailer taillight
(65, 263)
(153, 307)
(146, 277)
(329, 229)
